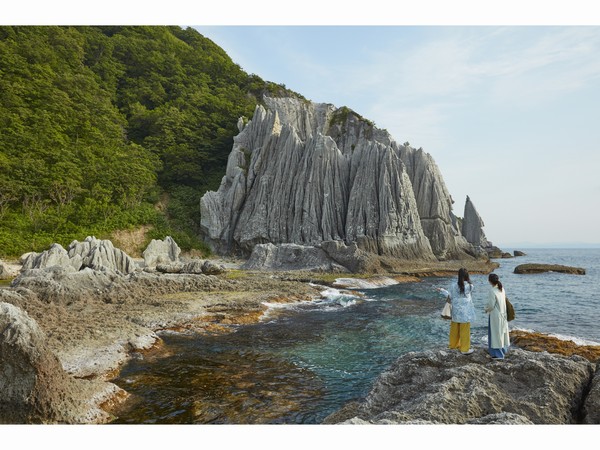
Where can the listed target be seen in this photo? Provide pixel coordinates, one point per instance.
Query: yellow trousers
(460, 336)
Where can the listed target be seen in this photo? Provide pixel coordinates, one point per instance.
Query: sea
(304, 361)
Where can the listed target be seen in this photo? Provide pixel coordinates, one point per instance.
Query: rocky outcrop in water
(447, 387)
(305, 173)
(34, 388)
(541, 268)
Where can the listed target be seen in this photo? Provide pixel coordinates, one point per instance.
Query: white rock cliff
(307, 173)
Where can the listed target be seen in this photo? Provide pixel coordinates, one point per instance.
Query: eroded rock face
(34, 388)
(100, 254)
(92, 253)
(290, 257)
(305, 173)
(447, 387)
(472, 225)
(56, 255)
(434, 204)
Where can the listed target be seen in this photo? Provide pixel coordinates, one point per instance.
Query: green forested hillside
(99, 125)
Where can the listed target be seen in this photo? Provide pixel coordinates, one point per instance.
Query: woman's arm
(491, 301)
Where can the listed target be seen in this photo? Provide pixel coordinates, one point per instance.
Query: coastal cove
(303, 361)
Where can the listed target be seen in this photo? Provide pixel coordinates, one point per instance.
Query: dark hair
(463, 276)
(493, 278)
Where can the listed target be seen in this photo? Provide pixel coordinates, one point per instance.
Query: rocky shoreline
(66, 333)
(543, 380)
(86, 323)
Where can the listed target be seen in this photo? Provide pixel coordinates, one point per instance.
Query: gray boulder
(62, 285)
(193, 267)
(176, 267)
(212, 268)
(34, 388)
(448, 387)
(161, 252)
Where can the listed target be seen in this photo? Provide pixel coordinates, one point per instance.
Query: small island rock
(541, 268)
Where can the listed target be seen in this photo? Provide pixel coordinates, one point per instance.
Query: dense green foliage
(97, 124)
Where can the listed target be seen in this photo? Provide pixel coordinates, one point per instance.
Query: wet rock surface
(451, 388)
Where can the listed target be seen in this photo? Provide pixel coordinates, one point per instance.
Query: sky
(510, 114)
(506, 100)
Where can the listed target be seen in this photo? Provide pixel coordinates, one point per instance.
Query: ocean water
(305, 361)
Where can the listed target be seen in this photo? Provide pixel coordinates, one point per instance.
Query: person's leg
(494, 352)
(465, 337)
(454, 341)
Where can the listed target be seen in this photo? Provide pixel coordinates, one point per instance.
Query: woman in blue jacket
(463, 312)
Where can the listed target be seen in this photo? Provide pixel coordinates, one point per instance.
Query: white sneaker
(468, 352)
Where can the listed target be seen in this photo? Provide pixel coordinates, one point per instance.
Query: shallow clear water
(305, 361)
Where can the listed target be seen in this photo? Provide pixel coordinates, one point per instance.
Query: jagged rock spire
(472, 225)
(305, 173)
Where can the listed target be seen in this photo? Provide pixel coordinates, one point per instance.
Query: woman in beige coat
(498, 339)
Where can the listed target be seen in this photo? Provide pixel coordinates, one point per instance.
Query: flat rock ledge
(446, 387)
(541, 268)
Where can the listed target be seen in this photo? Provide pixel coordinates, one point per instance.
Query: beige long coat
(496, 307)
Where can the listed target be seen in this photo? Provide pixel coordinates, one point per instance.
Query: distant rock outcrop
(472, 230)
(541, 268)
(447, 387)
(305, 173)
